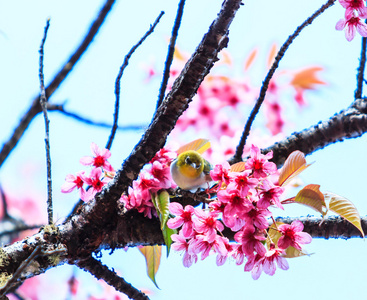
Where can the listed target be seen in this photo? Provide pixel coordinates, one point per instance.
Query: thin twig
(60, 108)
(43, 101)
(19, 228)
(118, 79)
(239, 150)
(171, 51)
(55, 83)
(100, 271)
(360, 74)
(5, 203)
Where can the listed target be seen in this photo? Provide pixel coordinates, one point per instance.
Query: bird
(190, 170)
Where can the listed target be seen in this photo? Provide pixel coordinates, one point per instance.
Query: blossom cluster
(155, 176)
(89, 185)
(242, 205)
(355, 12)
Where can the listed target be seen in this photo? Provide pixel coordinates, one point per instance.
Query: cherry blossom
(351, 25)
(99, 159)
(292, 235)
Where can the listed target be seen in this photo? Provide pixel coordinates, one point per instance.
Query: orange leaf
(271, 55)
(199, 145)
(344, 208)
(238, 167)
(306, 79)
(311, 196)
(293, 165)
(250, 59)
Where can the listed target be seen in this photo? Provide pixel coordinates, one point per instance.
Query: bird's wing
(199, 145)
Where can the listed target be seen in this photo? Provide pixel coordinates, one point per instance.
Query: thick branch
(349, 123)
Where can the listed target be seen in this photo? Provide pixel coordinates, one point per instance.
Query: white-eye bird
(190, 170)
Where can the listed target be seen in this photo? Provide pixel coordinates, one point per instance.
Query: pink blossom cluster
(355, 12)
(155, 176)
(96, 179)
(242, 205)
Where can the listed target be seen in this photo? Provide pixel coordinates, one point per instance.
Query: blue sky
(90, 90)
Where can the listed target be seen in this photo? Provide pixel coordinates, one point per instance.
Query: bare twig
(171, 51)
(360, 74)
(43, 102)
(118, 79)
(100, 271)
(239, 150)
(55, 83)
(60, 108)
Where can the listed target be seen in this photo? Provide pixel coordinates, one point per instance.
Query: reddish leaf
(199, 145)
(294, 165)
(311, 196)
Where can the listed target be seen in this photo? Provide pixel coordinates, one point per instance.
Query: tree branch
(239, 150)
(60, 108)
(362, 65)
(100, 271)
(118, 79)
(349, 123)
(43, 101)
(35, 107)
(171, 51)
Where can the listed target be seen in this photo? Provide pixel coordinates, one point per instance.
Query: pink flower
(270, 195)
(259, 163)
(238, 254)
(162, 173)
(72, 182)
(235, 203)
(183, 218)
(180, 244)
(292, 235)
(164, 156)
(351, 5)
(257, 218)
(221, 259)
(99, 159)
(207, 224)
(95, 183)
(220, 173)
(242, 182)
(251, 241)
(272, 258)
(254, 264)
(352, 25)
(200, 244)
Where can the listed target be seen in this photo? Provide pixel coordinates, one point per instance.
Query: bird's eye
(188, 160)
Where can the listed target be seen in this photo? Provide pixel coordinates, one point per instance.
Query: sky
(335, 270)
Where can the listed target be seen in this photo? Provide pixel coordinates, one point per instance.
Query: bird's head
(190, 164)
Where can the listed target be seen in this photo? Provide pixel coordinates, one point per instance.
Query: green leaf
(344, 208)
(311, 196)
(152, 256)
(293, 165)
(167, 232)
(161, 202)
